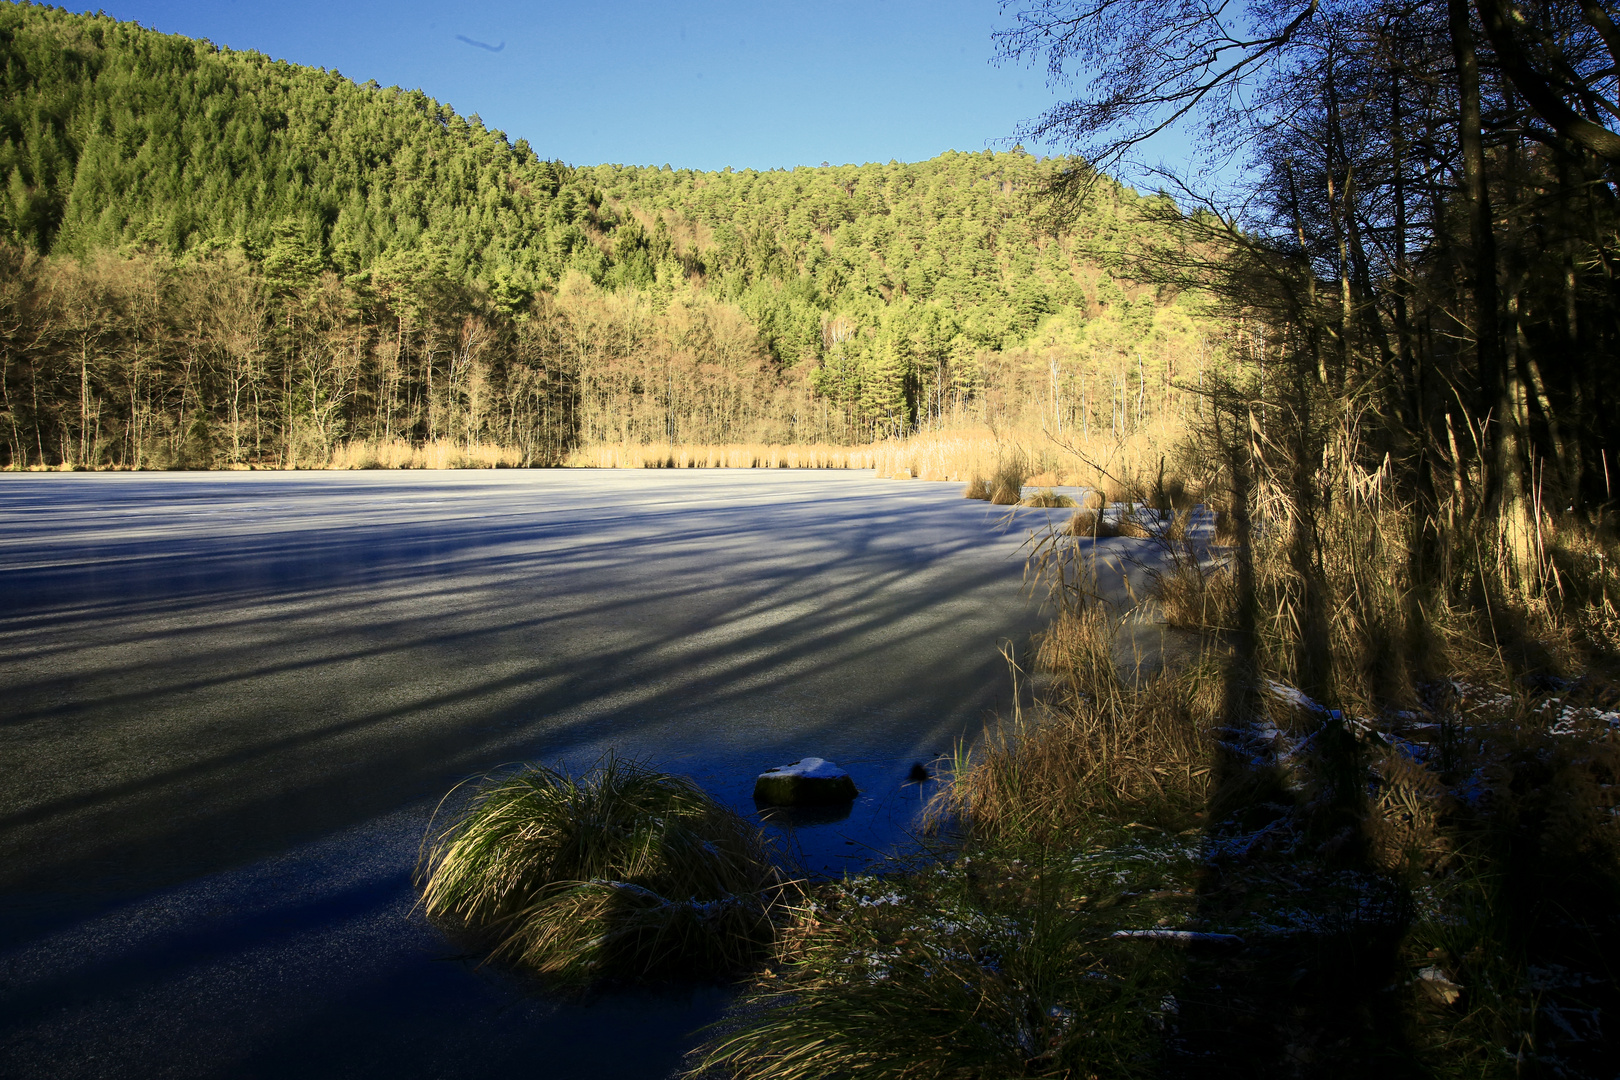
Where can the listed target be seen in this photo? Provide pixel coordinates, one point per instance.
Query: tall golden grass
(359, 454)
(439, 454)
(1097, 744)
(1121, 468)
(721, 456)
(1117, 466)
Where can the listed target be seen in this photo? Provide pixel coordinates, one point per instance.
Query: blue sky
(701, 85)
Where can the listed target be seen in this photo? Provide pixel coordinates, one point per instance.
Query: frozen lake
(229, 702)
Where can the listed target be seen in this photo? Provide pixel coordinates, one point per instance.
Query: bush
(625, 872)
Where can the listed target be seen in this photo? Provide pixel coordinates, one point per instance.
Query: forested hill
(116, 135)
(483, 291)
(953, 239)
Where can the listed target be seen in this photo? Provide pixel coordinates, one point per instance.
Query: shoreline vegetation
(1209, 871)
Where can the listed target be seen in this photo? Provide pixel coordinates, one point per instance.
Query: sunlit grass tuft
(438, 454)
(625, 872)
(1141, 751)
(1092, 523)
(1007, 482)
(1048, 498)
(1194, 596)
(1137, 523)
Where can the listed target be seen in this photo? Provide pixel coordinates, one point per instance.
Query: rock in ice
(810, 781)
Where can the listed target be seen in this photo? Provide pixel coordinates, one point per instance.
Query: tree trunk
(1501, 390)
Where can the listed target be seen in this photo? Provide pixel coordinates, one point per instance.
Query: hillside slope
(112, 135)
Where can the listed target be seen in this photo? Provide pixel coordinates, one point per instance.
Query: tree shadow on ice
(763, 660)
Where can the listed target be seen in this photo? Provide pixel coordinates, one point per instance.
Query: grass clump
(995, 964)
(1195, 596)
(1139, 752)
(978, 488)
(1007, 483)
(1092, 523)
(1138, 523)
(1050, 499)
(623, 873)
(1193, 589)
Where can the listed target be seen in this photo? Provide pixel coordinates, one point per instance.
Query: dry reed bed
(959, 455)
(1121, 467)
(723, 456)
(439, 454)
(1047, 458)
(359, 454)
(1097, 744)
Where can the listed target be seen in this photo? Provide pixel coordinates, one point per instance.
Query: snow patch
(811, 768)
